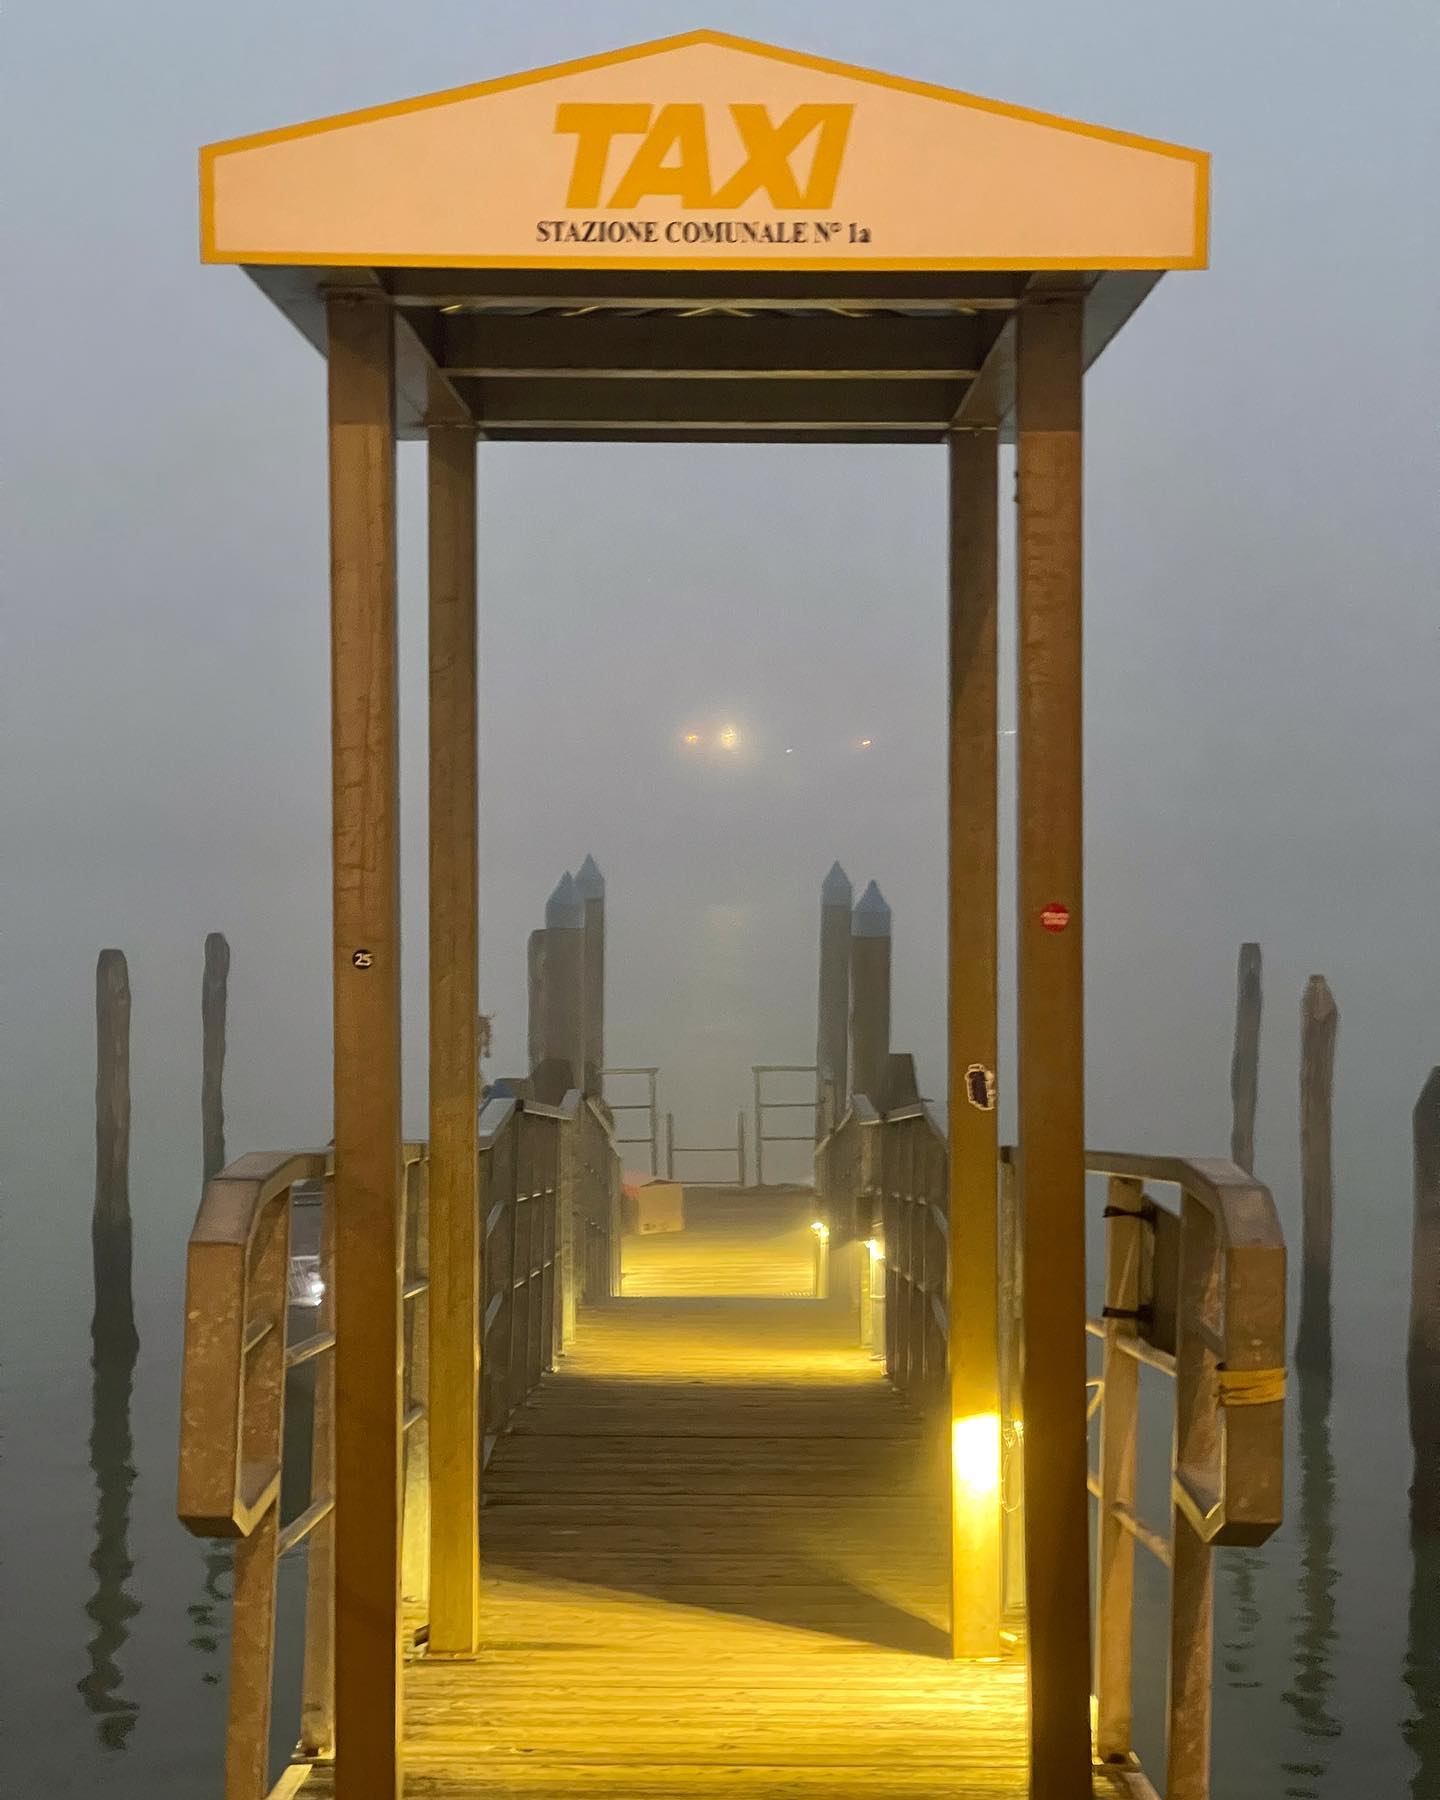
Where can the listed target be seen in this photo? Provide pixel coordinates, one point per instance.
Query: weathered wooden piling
(1320, 1019)
(832, 1037)
(113, 1323)
(1245, 1062)
(213, 1002)
(1423, 1355)
(535, 990)
(590, 885)
(869, 993)
(565, 980)
(114, 1346)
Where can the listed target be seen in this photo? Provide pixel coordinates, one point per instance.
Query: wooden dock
(714, 1563)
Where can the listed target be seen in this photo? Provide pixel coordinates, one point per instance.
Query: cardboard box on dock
(654, 1206)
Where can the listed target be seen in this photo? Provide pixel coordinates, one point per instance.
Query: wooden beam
(972, 1312)
(454, 1050)
(1049, 370)
(366, 801)
(641, 406)
(709, 434)
(716, 346)
(959, 291)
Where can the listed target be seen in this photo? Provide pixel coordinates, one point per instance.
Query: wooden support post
(113, 1323)
(870, 994)
(1319, 1020)
(1051, 1042)
(973, 1033)
(366, 802)
(1423, 1357)
(212, 1051)
(1245, 1063)
(454, 1401)
(590, 885)
(832, 1036)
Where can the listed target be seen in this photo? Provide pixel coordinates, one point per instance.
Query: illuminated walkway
(714, 1554)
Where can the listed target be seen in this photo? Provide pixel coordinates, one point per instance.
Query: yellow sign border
(210, 153)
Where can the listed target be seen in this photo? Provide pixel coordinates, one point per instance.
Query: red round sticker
(1056, 916)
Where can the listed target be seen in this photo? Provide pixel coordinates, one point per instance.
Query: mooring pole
(1051, 1062)
(565, 979)
(1320, 1019)
(973, 1036)
(535, 997)
(113, 1324)
(590, 885)
(1423, 1355)
(366, 803)
(870, 928)
(213, 997)
(1245, 1063)
(455, 1290)
(832, 1036)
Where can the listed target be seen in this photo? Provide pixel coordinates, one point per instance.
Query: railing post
(417, 1499)
(366, 973)
(1192, 1577)
(317, 1696)
(455, 1316)
(1115, 1579)
(252, 1650)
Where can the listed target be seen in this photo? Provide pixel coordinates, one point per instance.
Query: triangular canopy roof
(704, 151)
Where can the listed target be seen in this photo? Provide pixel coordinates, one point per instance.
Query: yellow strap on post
(1250, 1387)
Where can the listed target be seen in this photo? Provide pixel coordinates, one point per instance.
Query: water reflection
(111, 1606)
(207, 1615)
(1309, 1695)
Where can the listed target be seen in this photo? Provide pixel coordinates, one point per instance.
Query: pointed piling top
(871, 917)
(565, 910)
(836, 890)
(590, 883)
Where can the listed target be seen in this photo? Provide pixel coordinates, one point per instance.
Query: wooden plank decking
(714, 1563)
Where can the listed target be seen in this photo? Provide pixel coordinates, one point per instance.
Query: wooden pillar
(1051, 1042)
(565, 979)
(366, 818)
(870, 994)
(590, 885)
(113, 1324)
(1422, 1361)
(832, 1035)
(1245, 1063)
(972, 1039)
(213, 997)
(454, 1399)
(1319, 1020)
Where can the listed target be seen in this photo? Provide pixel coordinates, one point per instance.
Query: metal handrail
(1197, 1293)
(237, 1356)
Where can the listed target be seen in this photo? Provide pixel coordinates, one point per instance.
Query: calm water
(1328, 1660)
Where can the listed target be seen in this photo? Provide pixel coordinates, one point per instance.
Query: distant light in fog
(692, 738)
(729, 738)
(865, 743)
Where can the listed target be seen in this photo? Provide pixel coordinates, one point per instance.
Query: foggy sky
(1263, 638)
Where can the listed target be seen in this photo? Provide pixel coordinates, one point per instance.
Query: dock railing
(1195, 1290)
(544, 1173)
